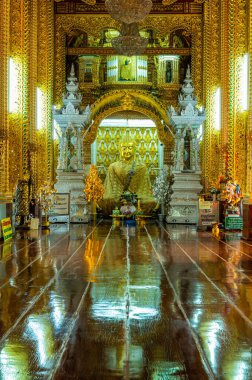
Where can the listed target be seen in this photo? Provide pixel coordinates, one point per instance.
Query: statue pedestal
(184, 200)
(73, 183)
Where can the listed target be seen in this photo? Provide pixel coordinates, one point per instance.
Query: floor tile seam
(200, 349)
(227, 298)
(21, 249)
(230, 246)
(45, 253)
(38, 296)
(232, 265)
(75, 318)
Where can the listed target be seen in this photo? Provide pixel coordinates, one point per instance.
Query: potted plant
(161, 192)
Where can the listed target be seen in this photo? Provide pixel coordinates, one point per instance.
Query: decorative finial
(72, 73)
(188, 72)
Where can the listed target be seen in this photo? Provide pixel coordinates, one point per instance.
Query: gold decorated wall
(35, 39)
(226, 42)
(27, 32)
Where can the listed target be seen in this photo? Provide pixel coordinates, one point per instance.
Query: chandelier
(128, 11)
(129, 42)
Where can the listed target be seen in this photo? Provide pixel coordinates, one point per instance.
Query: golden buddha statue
(127, 175)
(126, 70)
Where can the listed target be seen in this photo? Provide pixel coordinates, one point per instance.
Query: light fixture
(129, 42)
(13, 86)
(129, 11)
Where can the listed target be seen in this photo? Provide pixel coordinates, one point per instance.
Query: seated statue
(125, 72)
(127, 175)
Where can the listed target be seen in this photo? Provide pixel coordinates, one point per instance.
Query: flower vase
(214, 197)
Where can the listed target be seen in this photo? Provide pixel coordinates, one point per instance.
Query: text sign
(6, 229)
(233, 223)
(208, 213)
(61, 205)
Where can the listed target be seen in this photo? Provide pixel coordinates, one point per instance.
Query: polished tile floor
(98, 302)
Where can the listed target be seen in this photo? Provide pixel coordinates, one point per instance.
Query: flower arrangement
(94, 188)
(128, 210)
(46, 196)
(233, 193)
(128, 200)
(161, 189)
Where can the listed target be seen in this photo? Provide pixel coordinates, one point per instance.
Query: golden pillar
(4, 128)
(211, 76)
(249, 125)
(45, 83)
(233, 19)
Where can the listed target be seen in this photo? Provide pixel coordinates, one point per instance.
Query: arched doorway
(126, 105)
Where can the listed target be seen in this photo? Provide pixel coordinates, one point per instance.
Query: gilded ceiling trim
(94, 24)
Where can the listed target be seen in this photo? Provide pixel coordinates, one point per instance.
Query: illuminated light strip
(226, 298)
(75, 317)
(13, 93)
(178, 302)
(33, 261)
(233, 266)
(42, 291)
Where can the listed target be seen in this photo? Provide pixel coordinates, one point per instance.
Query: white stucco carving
(186, 186)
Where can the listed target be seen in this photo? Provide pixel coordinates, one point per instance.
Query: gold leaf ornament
(168, 2)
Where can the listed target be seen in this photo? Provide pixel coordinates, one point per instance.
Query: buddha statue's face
(127, 151)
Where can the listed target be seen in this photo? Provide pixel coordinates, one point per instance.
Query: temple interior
(126, 190)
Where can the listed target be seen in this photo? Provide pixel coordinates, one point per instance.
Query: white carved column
(186, 172)
(72, 121)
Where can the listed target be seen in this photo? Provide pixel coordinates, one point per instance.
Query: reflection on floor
(147, 302)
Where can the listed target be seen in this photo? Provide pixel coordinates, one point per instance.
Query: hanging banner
(6, 229)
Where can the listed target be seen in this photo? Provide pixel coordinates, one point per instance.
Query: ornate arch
(139, 101)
